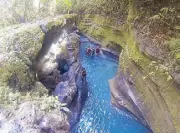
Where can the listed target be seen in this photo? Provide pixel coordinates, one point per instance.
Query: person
(97, 50)
(88, 51)
(83, 74)
(93, 51)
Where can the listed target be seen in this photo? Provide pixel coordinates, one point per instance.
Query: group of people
(91, 51)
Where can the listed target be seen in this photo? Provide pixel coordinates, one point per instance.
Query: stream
(98, 114)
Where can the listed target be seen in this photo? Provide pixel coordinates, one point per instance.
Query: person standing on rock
(83, 74)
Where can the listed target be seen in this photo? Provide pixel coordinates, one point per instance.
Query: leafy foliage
(166, 16)
(48, 103)
(174, 46)
(21, 11)
(174, 43)
(68, 3)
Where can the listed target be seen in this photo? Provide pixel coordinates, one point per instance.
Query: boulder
(20, 47)
(29, 117)
(65, 92)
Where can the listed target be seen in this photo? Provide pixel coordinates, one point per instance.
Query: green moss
(157, 90)
(132, 11)
(39, 90)
(177, 56)
(25, 43)
(174, 44)
(54, 23)
(104, 30)
(17, 75)
(60, 21)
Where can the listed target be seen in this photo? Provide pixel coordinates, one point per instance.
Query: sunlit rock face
(59, 59)
(22, 47)
(55, 58)
(56, 51)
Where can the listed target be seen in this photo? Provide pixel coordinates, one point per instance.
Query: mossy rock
(108, 32)
(177, 56)
(21, 45)
(174, 43)
(39, 90)
(54, 23)
(61, 21)
(17, 74)
(158, 89)
(26, 40)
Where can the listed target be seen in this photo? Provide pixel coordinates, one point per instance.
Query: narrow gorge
(49, 83)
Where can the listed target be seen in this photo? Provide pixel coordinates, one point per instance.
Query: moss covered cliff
(147, 56)
(20, 46)
(24, 101)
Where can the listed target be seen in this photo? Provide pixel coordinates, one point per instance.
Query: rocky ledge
(41, 86)
(62, 61)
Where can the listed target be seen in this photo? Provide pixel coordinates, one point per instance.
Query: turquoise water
(98, 115)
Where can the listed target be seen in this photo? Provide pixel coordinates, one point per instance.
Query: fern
(165, 10)
(155, 17)
(177, 27)
(68, 4)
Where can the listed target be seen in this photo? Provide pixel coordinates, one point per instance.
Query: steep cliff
(149, 71)
(25, 104)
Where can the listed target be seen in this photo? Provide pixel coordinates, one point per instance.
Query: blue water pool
(98, 114)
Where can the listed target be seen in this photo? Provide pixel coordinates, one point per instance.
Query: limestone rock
(29, 118)
(65, 93)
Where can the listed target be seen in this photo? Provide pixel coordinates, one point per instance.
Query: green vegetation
(174, 46)
(145, 34)
(68, 4)
(21, 45)
(48, 103)
(148, 32)
(17, 74)
(22, 11)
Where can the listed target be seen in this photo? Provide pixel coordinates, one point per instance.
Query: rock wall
(20, 46)
(144, 85)
(25, 103)
(59, 68)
